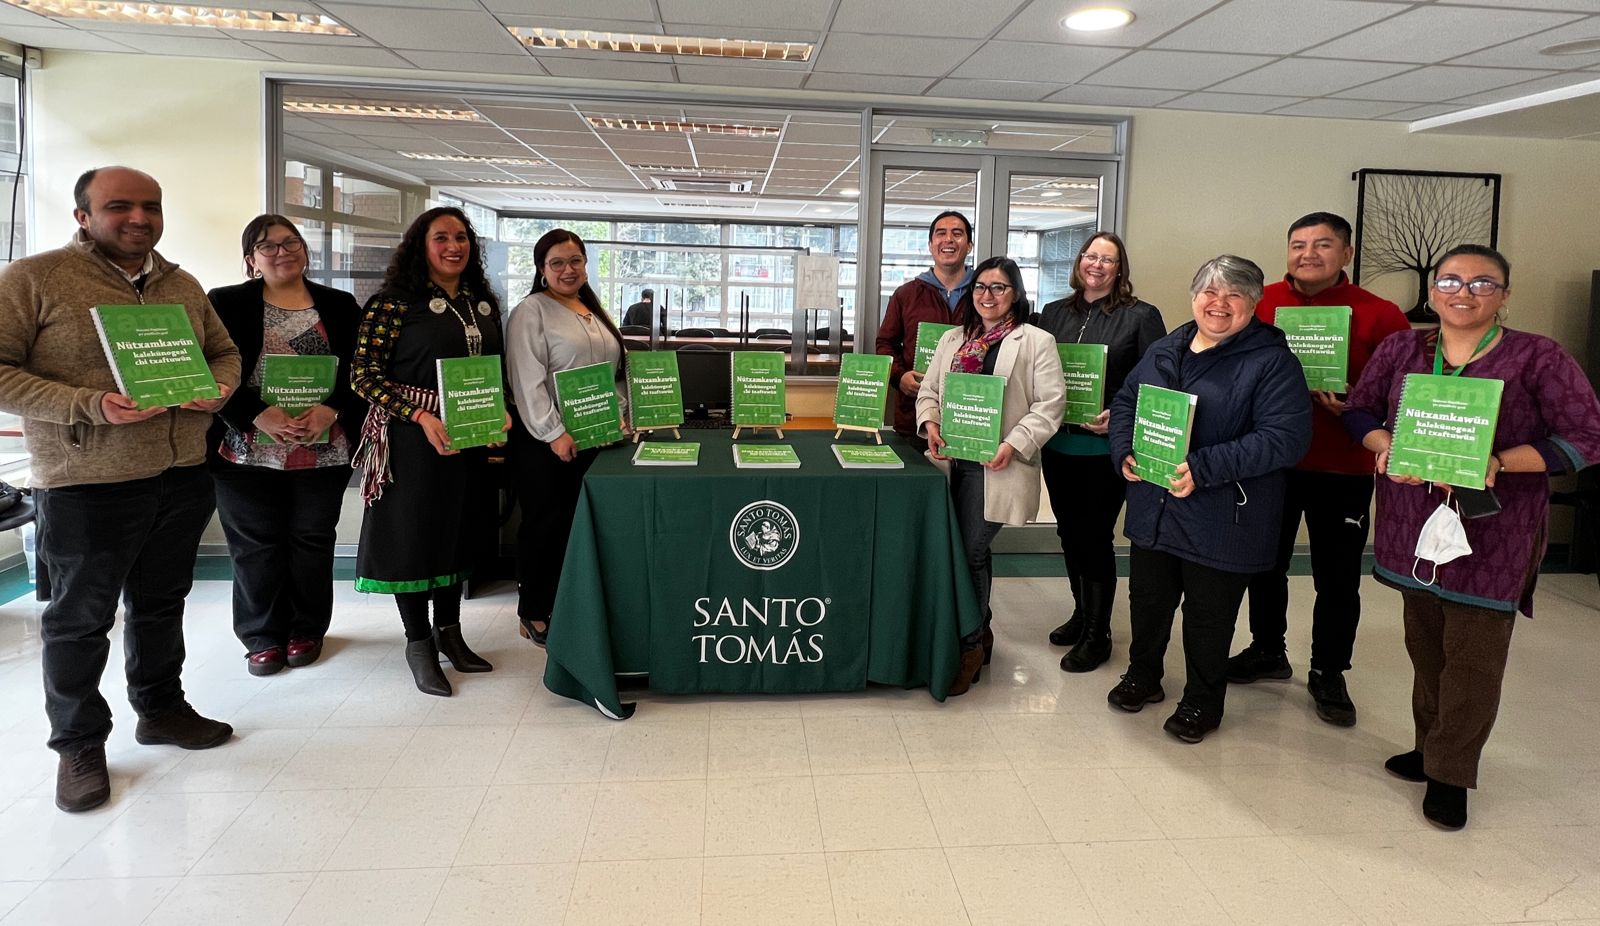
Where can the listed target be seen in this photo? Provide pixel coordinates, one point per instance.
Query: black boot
(1094, 647)
(450, 643)
(423, 658)
(1069, 633)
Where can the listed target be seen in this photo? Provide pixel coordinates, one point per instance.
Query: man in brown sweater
(122, 493)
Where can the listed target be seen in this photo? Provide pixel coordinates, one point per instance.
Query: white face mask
(1442, 540)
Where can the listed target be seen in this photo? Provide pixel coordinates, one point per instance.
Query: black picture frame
(1407, 219)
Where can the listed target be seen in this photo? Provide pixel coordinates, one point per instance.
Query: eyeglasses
(1482, 286)
(1102, 261)
(274, 248)
(996, 289)
(557, 264)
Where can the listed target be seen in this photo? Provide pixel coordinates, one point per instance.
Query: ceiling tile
(1174, 70)
(853, 53)
(1568, 6)
(608, 69)
(863, 84)
(741, 76)
(1228, 102)
(183, 46)
(429, 30)
(484, 64)
(15, 16)
(1434, 33)
(969, 88)
(1340, 109)
(1276, 27)
(134, 30)
(1041, 19)
(1437, 84)
(1524, 53)
(1310, 76)
(416, 4)
(809, 15)
(923, 17)
(1061, 64)
(356, 57)
(601, 9)
(1420, 112)
(1111, 96)
(1528, 88)
(62, 38)
(589, 23)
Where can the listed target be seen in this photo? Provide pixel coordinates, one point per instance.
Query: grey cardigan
(543, 337)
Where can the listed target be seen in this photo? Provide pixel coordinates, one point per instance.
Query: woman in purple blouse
(1458, 626)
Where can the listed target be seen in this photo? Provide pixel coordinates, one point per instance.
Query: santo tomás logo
(764, 535)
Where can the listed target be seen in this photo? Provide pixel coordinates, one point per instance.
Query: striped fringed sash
(372, 456)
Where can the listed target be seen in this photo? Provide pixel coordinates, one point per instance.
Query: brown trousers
(1458, 654)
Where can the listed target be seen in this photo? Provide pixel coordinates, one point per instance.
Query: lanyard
(1438, 352)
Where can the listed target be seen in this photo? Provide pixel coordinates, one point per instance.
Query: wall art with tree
(1407, 219)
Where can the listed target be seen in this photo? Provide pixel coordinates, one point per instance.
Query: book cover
(472, 400)
(1444, 428)
(1083, 366)
(758, 395)
(589, 407)
(863, 391)
(969, 415)
(928, 335)
(655, 390)
(656, 453)
(867, 456)
(296, 382)
(1320, 336)
(765, 456)
(154, 354)
(1162, 422)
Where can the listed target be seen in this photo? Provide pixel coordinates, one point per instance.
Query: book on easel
(757, 388)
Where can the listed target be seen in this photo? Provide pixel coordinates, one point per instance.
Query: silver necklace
(469, 325)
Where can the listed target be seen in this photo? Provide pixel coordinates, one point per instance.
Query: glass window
(302, 185)
(669, 232)
(369, 200)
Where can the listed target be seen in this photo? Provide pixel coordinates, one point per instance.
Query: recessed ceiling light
(1580, 47)
(850, 192)
(1097, 19)
(699, 171)
(1072, 185)
(633, 43)
(1049, 194)
(687, 128)
(167, 14)
(824, 209)
(508, 181)
(472, 159)
(379, 110)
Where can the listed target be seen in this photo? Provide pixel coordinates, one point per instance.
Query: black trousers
(1156, 583)
(280, 530)
(132, 539)
(1336, 507)
(977, 532)
(1086, 493)
(547, 491)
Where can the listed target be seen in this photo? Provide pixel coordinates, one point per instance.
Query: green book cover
(867, 456)
(863, 391)
(472, 400)
(969, 415)
(1320, 336)
(1444, 428)
(296, 382)
(1162, 420)
(589, 407)
(758, 396)
(928, 335)
(657, 453)
(655, 390)
(765, 456)
(1083, 366)
(154, 354)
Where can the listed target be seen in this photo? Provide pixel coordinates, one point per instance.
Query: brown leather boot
(967, 673)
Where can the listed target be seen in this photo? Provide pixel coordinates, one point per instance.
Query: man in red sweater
(1332, 486)
(931, 297)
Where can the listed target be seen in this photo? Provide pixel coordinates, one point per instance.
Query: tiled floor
(350, 798)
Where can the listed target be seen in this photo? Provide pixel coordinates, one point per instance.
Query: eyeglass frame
(1099, 260)
(290, 245)
(1494, 286)
(997, 289)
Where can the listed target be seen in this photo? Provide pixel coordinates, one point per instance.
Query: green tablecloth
(714, 578)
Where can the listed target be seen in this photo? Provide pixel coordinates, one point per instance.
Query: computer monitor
(707, 382)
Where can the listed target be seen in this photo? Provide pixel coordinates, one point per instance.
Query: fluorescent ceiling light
(687, 128)
(632, 43)
(509, 181)
(1049, 194)
(1072, 185)
(1580, 47)
(699, 171)
(472, 159)
(852, 191)
(382, 110)
(168, 14)
(824, 209)
(1097, 19)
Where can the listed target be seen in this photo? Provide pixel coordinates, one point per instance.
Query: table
(718, 579)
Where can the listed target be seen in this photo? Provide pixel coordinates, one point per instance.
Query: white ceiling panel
(184, 46)
(66, 39)
(1562, 6)
(432, 30)
(15, 16)
(602, 9)
(482, 64)
(973, 89)
(356, 57)
(1341, 109)
(1084, 95)
(862, 83)
(1419, 112)
(1434, 33)
(137, 29)
(1310, 76)
(741, 76)
(1524, 53)
(1436, 84)
(811, 15)
(608, 70)
(1174, 70)
(1554, 82)
(923, 17)
(1036, 61)
(1276, 26)
(854, 53)
(1041, 21)
(1228, 102)
(591, 24)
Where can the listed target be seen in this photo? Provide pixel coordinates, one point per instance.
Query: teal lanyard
(1438, 352)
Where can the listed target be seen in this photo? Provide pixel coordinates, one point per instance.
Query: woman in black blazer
(281, 469)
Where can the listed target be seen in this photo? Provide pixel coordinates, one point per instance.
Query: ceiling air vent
(704, 184)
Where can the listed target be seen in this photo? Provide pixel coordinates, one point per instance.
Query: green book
(765, 456)
(1083, 366)
(1162, 421)
(928, 335)
(969, 415)
(863, 391)
(1320, 336)
(655, 390)
(758, 397)
(296, 382)
(472, 400)
(1444, 428)
(154, 354)
(867, 456)
(589, 407)
(657, 453)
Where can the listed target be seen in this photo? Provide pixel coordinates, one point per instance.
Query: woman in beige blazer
(992, 336)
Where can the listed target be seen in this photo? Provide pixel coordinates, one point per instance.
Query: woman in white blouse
(559, 326)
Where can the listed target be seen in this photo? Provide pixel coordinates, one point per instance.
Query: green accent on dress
(381, 587)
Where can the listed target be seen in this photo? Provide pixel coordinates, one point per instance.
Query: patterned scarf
(969, 356)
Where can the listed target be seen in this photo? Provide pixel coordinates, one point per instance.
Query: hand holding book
(119, 409)
(209, 405)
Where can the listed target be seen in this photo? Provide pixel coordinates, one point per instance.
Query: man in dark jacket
(639, 313)
(931, 297)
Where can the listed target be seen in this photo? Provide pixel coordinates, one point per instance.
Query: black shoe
(1132, 695)
(1332, 698)
(1407, 765)
(1190, 723)
(1254, 664)
(454, 647)
(1093, 648)
(1071, 632)
(530, 632)
(423, 658)
(1444, 805)
(82, 782)
(181, 726)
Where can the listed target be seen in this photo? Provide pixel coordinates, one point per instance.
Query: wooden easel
(641, 432)
(877, 434)
(778, 429)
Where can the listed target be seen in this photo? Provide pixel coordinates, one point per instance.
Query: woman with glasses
(281, 473)
(992, 336)
(1086, 492)
(1459, 613)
